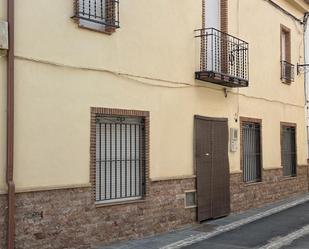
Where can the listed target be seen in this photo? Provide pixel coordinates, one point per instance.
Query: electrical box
(4, 35)
(233, 139)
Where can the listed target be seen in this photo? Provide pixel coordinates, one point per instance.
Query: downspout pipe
(306, 79)
(10, 129)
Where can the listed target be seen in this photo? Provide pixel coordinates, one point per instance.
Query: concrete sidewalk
(199, 232)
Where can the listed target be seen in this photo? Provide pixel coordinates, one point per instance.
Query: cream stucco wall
(62, 70)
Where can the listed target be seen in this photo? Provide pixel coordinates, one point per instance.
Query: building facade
(138, 117)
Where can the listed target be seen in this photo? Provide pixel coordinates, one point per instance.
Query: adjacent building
(138, 117)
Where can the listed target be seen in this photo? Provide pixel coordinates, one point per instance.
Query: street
(287, 229)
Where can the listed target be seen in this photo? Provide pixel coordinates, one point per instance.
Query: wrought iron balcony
(223, 60)
(287, 72)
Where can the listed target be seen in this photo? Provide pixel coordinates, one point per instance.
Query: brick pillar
(203, 40)
(224, 41)
(110, 15)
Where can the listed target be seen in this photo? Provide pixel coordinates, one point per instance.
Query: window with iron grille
(101, 15)
(288, 150)
(120, 159)
(251, 151)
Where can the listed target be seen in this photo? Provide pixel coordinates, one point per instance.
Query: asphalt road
(287, 229)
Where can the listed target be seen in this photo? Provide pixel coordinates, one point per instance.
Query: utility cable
(138, 79)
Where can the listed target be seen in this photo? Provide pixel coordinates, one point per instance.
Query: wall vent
(190, 199)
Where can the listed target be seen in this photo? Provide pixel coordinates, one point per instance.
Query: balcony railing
(287, 72)
(223, 60)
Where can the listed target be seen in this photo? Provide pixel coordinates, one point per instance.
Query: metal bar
(102, 12)
(139, 161)
(100, 165)
(251, 152)
(259, 153)
(129, 183)
(101, 1)
(243, 150)
(226, 55)
(116, 165)
(117, 2)
(110, 164)
(289, 151)
(120, 161)
(212, 55)
(135, 158)
(130, 158)
(220, 32)
(245, 153)
(144, 158)
(205, 53)
(105, 166)
(126, 157)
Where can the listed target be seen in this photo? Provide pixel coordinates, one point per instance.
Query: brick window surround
(282, 126)
(251, 120)
(223, 14)
(101, 111)
(223, 28)
(286, 47)
(287, 69)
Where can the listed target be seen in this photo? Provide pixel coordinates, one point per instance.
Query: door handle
(207, 154)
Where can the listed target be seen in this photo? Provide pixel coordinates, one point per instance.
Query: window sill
(285, 178)
(248, 184)
(118, 203)
(190, 207)
(101, 28)
(110, 32)
(286, 82)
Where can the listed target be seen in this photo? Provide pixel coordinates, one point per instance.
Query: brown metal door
(203, 134)
(212, 167)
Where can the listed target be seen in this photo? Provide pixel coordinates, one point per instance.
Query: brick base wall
(273, 187)
(3, 209)
(68, 218)
(59, 219)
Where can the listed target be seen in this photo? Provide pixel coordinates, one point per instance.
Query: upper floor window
(99, 15)
(287, 69)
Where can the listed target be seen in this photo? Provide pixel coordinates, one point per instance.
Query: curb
(225, 228)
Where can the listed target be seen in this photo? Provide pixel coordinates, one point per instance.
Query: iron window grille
(288, 150)
(287, 71)
(120, 158)
(251, 151)
(223, 59)
(97, 13)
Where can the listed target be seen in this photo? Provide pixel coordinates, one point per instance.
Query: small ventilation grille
(190, 200)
